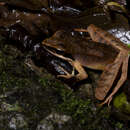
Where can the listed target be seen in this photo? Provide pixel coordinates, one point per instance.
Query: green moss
(119, 125)
(128, 45)
(77, 108)
(69, 102)
(119, 100)
(45, 80)
(121, 103)
(11, 107)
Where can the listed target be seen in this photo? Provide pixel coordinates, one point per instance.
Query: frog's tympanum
(104, 52)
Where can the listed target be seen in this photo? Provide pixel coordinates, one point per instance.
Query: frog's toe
(107, 101)
(67, 75)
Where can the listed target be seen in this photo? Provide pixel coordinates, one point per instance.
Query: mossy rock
(122, 106)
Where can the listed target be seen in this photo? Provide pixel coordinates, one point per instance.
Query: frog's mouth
(57, 51)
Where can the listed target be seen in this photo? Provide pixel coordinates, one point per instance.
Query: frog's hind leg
(76, 64)
(107, 77)
(121, 80)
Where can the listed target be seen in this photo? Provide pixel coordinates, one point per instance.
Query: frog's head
(55, 41)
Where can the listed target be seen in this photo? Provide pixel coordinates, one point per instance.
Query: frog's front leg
(67, 75)
(81, 72)
(76, 64)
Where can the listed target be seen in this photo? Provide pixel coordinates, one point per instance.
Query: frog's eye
(59, 34)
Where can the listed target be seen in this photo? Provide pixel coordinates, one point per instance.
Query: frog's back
(91, 54)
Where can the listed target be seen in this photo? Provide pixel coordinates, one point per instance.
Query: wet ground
(30, 101)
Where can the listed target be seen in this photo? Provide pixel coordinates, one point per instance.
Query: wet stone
(17, 121)
(86, 90)
(53, 119)
(45, 125)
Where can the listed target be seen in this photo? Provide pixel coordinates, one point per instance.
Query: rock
(86, 90)
(45, 125)
(28, 4)
(17, 122)
(57, 118)
(10, 107)
(52, 119)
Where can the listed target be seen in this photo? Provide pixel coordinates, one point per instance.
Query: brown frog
(104, 52)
